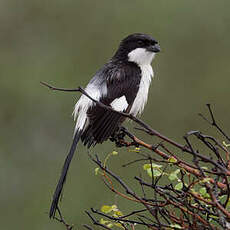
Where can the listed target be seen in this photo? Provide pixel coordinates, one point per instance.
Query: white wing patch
(120, 104)
(84, 103)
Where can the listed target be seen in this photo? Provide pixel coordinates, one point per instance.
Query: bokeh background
(64, 43)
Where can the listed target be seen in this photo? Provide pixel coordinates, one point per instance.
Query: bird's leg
(119, 137)
(121, 132)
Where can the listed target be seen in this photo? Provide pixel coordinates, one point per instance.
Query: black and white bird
(122, 83)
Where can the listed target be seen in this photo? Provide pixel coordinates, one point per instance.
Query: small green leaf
(117, 213)
(172, 159)
(136, 150)
(106, 208)
(177, 171)
(154, 172)
(172, 176)
(206, 180)
(110, 225)
(114, 208)
(146, 166)
(222, 198)
(204, 167)
(154, 166)
(225, 144)
(96, 170)
(214, 217)
(114, 153)
(179, 186)
(105, 222)
(203, 191)
(177, 226)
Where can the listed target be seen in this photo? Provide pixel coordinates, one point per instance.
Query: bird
(123, 84)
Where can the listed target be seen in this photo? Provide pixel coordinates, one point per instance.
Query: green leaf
(106, 208)
(175, 226)
(206, 180)
(172, 159)
(146, 166)
(114, 208)
(214, 217)
(114, 153)
(222, 198)
(225, 144)
(154, 166)
(96, 170)
(204, 167)
(136, 150)
(105, 222)
(172, 176)
(154, 172)
(179, 186)
(117, 213)
(177, 171)
(203, 191)
(110, 225)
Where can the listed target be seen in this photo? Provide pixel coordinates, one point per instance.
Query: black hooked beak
(155, 48)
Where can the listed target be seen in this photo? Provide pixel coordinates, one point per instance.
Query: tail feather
(61, 182)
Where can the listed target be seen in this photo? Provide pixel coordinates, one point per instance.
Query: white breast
(142, 94)
(143, 59)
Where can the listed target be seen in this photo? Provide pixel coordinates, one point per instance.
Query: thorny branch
(202, 199)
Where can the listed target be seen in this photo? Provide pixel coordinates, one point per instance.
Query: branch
(214, 123)
(127, 115)
(59, 89)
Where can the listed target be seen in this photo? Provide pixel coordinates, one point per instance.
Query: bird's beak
(155, 48)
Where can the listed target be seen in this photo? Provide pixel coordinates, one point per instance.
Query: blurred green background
(64, 43)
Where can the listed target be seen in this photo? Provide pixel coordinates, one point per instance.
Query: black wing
(122, 80)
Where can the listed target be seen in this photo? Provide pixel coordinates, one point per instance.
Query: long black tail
(61, 182)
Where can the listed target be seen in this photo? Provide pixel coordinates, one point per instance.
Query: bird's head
(138, 48)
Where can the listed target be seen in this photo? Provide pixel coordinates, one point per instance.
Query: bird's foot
(118, 137)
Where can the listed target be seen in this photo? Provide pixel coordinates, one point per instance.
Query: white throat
(141, 56)
(143, 59)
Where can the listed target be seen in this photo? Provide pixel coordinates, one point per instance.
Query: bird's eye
(141, 43)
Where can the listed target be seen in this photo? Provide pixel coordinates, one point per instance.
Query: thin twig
(59, 89)
(213, 122)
